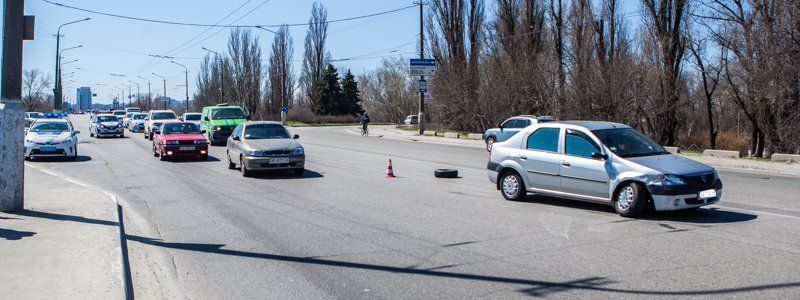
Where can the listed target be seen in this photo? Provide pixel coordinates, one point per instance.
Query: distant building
(84, 98)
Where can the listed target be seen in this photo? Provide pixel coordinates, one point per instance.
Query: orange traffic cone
(389, 170)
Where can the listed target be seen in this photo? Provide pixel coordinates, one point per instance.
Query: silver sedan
(260, 146)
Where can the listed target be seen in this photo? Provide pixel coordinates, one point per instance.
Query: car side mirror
(202, 132)
(76, 132)
(206, 119)
(147, 119)
(500, 126)
(597, 155)
(249, 117)
(180, 119)
(235, 137)
(296, 136)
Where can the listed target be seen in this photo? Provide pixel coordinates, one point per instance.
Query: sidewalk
(64, 245)
(746, 165)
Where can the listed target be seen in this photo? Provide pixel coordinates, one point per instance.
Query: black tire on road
(489, 143)
(511, 186)
(245, 172)
(445, 173)
(630, 200)
(231, 165)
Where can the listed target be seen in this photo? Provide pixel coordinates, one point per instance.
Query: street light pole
(164, 97)
(137, 92)
(149, 95)
(186, 70)
(57, 91)
(222, 73)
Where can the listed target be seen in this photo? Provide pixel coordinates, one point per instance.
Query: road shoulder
(66, 244)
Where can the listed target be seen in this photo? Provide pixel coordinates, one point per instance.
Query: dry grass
(725, 140)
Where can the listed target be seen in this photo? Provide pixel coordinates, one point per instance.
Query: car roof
(52, 121)
(261, 122)
(159, 111)
(593, 125)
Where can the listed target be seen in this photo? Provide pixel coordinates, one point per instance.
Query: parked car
(218, 121)
(179, 139)
(106, 125)
(256, 146)
(51, 138)
(120, 114)
(137, 122)
(411, 120)
(600, 162)
(31, 117)
(154, 119)
(191, 118)
(510, 127)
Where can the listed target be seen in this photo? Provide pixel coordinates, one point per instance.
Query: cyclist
(364, 123)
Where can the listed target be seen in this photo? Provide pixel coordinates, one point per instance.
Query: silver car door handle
(566, 164)
(523, 157)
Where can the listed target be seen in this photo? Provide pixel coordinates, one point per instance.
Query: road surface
(342, 230)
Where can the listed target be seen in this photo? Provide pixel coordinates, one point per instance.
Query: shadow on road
(81, 158)
(60, 217)
(192, 159)
(280, 174)
(536, 287)
(711, 215)
(13, 235)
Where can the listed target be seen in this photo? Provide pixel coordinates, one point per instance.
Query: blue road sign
(422, 67)
(284, 108)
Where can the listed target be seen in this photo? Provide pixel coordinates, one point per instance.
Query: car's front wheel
(231, 165)
(630, 200)
(489, 143)
(245, 171)
(512, 187)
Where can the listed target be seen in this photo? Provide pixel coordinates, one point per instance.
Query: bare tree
(280, 82)
(34, 85)
(316, 58)
(245, 70)
(710, 76)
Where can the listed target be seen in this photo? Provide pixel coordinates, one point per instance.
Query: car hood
(671, 164)
(47, 136)
(272, 144)
(162, 121)
(183, 137)
(109, 123)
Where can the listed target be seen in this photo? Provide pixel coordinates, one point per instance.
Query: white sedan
(51, 138)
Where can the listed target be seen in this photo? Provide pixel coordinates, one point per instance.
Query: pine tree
(328, 92)
(350, 101)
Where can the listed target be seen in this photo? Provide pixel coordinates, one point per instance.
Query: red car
(179, 139)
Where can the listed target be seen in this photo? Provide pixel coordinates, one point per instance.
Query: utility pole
(137, 92)
(164, 97)
(421, 116)
(221, 75)
(149, 95)
(57, 89)
(186, 70)
(16, 28)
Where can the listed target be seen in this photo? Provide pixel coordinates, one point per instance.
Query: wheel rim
(510, 186)
(625, 198)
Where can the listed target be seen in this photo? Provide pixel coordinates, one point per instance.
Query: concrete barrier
(452, 135)
(722, 153)
(429, 133)
(475, 136)
(674, 150)
(779, 157)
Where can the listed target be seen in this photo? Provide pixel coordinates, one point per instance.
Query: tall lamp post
(137, 91)
(149, 95)
(186, 72)
(221, 74)
(57, 89)
(165, 90)
(129, 93)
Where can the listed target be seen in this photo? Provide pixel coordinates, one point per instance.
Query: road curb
(127, 282)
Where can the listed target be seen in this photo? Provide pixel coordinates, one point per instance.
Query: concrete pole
(421, 116)
(12, 121)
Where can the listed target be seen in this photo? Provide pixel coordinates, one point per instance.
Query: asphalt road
(342, 230)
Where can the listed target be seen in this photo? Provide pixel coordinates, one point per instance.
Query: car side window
(579, 144)
(544, 139)
(509, 123)
(524, 123)
(238, 130)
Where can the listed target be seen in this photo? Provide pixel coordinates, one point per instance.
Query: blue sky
(118, 46)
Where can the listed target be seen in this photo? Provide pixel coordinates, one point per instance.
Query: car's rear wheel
(512, 186)
(630, 200)
(489, 143)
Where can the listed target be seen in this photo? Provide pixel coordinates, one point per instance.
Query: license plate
(707, 194)
(48, 149)
(280, 160)
(187, 148)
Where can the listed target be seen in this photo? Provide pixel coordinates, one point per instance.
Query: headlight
(298, 151)
(200, 142)
(171, 143)
(101, 125)
(664, 180)
(218, 128)
(254, 153)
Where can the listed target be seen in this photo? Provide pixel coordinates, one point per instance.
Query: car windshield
(192, 117)
(265, 131)
(228, 113)
(627, 142)
(163, 116)
(176, 128)
(50, 126)
(139, 116)
(107, 119)
(119, 113)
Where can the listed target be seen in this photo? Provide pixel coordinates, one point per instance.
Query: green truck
(219, 120)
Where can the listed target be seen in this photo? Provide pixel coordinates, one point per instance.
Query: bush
(726, 140)
(304, 114)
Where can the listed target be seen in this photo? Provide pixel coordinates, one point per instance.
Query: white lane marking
(758, 212)
(51, 173)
